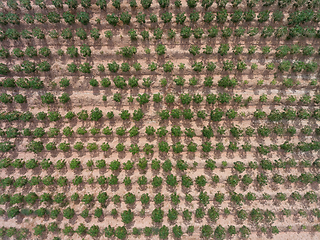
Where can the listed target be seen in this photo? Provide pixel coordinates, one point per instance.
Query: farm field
(159, 119)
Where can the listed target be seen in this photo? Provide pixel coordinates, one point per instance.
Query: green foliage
(206, 231)
(194, 50)
(128, 52)
(112, 19)
(163, 232)
(68, 213)
(180, 18)
(83, 17)
(227, 82)
(125, 17)
(96, 114)
(186, 32)
(39, 229)
(158, 199)
(157, 215)
(166, 17)
(35, 146)
(197, 66)
(219, 232)
(127, 216)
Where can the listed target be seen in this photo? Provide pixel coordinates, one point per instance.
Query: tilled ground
(299, 225)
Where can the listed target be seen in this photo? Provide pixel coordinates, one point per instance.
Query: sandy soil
(85, 97)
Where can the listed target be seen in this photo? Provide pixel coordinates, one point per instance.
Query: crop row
(122, 232)
(36, 83)
(296, 66)
(164, 147)
(170, 180)
(186, 99)
(158, 198)
(185, 33)
(85, 51)
(130, 199)
(256, 215)
(29, 67)
(212, 213)
(150, 131)
(216, 115)
(134, 82)
(170, 99)
(146, 4)
(294, 18)
(156, 165)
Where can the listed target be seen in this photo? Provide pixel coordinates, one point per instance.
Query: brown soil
(85, 97)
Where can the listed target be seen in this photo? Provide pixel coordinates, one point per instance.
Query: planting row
(128, 215)
(156, 165)
(216, 115)
(294, 18)
(170, 180)
(179, 81)
(121, 232)
(186, 32)
(170, 99)
(158, 199)
(164, 147)
(121, 82)
(160, 49)
(207, 231)
(185, 99)
(146, 4)
(176, 131)
(228, 65)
